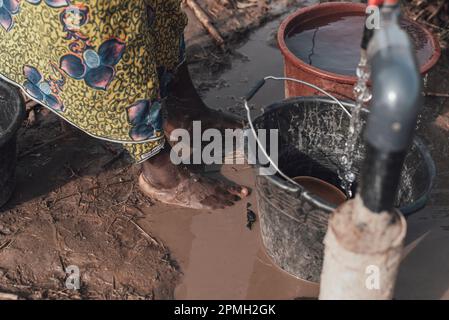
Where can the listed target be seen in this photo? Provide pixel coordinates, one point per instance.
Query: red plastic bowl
(340, 85)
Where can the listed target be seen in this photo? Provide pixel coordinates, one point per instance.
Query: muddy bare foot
(177, 185)
(195, 192)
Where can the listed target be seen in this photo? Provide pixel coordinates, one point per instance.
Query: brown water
(219, 256)
(322, 189)
(333, 43)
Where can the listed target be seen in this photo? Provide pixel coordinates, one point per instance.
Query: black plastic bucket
(312, 135)
(11, 116)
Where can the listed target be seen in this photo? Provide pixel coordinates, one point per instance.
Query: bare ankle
(160, 172)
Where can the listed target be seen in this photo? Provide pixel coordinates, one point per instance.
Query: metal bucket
(12, 111)
(312, 136)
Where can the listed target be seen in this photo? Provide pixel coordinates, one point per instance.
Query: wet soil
(77, 203)
(73, 206)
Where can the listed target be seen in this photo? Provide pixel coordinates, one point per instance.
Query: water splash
(362, 95)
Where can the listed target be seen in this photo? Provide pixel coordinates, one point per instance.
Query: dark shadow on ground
(52, 154)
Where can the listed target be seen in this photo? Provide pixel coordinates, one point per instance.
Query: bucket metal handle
(251, 95)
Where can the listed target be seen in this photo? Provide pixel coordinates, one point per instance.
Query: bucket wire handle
(251, 95)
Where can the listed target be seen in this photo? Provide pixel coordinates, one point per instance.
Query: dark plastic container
(312, 134)
(11, 116)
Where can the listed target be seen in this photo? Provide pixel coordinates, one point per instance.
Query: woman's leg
(161, 179)
(174, 184)
(184, 105)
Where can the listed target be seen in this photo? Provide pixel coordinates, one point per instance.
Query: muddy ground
(77, 202)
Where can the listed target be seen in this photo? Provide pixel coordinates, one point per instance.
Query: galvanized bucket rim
(407, 210)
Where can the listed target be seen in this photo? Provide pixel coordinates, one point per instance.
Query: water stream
(362, 95)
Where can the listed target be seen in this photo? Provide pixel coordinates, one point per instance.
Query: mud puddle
(220, 258)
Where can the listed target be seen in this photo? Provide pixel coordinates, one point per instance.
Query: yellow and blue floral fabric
(102, 65)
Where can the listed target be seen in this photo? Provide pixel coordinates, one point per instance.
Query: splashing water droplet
(363, 95)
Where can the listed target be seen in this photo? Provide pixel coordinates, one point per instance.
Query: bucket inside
(312, 136)
(11, 115)
(11, 111)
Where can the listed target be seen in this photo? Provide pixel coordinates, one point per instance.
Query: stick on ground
(437, 11)
(8, 296)
(205, 21)
(436, 94)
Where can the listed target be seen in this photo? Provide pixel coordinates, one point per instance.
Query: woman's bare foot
(176, 185)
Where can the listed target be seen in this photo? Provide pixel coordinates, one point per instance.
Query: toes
(229, 197)
(209, 205)
(213, 202)
(228, 203)
(241, 192)
(245, 192)
(221, 200)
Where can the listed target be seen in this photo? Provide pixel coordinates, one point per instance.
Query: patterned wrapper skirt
(102, 65)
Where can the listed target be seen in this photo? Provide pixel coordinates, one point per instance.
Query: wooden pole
(8, 296)
(205, 21)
